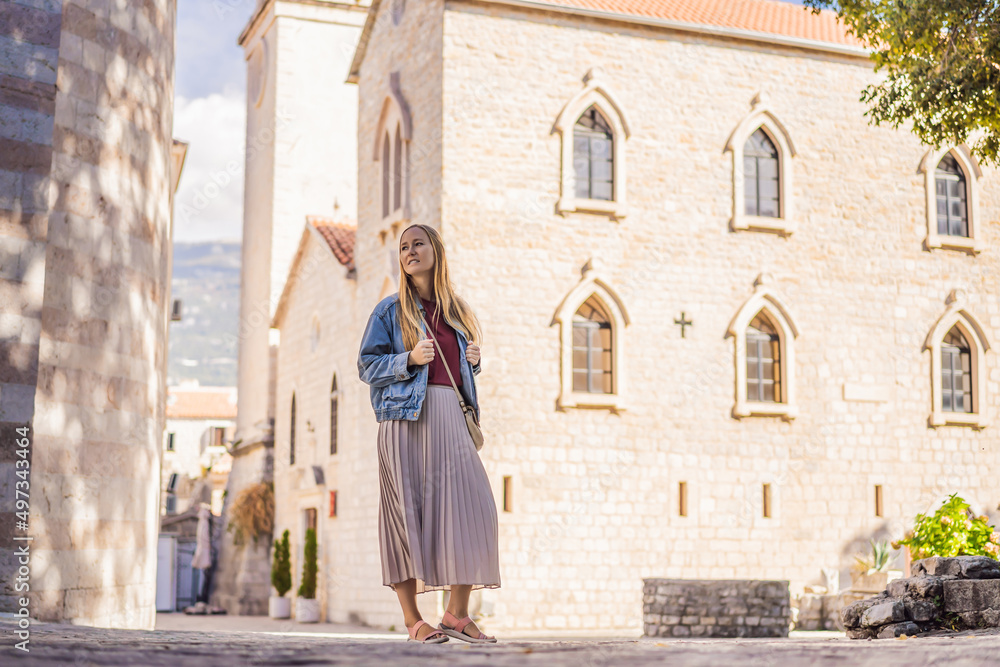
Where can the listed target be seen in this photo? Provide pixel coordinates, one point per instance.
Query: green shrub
(309, 568)
(951, 531)
(281, 571)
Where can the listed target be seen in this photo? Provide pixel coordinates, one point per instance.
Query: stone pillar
(84, 364)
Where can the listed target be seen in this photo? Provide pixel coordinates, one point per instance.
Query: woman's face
(415, 251)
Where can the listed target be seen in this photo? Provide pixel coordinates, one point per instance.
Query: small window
(508, 494)
(171, 503)
(952, 206)
(879, 509)
(172, 483)
(218, 436)
(767, 501)
(761, 176)
(763, 361)
(386, 176)
(291, 435)
(592, 371)
(397, 171)
(593, 156)
(333, 416)
(682, 498)
(333, 504)
(956, 373)
(170, 442)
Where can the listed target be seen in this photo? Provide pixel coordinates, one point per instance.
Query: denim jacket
(397, 393)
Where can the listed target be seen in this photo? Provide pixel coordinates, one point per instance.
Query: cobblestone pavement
(54, 645)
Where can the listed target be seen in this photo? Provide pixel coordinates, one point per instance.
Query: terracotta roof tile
(766, 16)
(340, 236)
(201, 403)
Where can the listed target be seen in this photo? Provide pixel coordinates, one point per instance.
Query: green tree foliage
(281, 571)
(941, 61)
(951, 531)
(309, 568)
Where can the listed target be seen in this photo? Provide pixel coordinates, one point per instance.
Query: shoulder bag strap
(454, 386)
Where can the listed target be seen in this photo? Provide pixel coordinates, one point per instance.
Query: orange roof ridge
(339, 235)
(761, 16)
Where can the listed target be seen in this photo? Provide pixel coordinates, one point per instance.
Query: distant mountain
(203, 344)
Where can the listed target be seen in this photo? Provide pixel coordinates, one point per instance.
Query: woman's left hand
(472, 353)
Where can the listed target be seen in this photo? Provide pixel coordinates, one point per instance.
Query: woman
(437, 517)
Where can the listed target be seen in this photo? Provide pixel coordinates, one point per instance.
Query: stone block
(860, 633)
(891, 611)
(850, 615)
(971, 595)
(681, 631)
(924, 587)
(920, 610)
(896, 629)
(965, 567)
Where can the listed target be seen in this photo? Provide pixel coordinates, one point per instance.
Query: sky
(210, 114)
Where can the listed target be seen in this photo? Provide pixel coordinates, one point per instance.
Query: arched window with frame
(333, 416)
(763, 346)
(952, 198)
(761, 176)
(592, 351)
(593, 156)
(956, 373)
(291, 434)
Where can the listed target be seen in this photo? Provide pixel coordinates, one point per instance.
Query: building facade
(731, 330)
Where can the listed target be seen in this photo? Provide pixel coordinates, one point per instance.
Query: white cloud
(209, 201)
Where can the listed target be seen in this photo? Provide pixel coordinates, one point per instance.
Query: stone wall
(961, 593)
(86, 120)
(707, 608)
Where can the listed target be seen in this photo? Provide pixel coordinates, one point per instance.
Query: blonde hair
(456, 311)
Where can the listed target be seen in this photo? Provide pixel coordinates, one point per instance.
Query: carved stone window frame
(956, 314)
(595, 93)
(592, 283)
(761, 117)
(973, 244)
(764, 299)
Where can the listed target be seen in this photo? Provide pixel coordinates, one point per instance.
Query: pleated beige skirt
(437, 518)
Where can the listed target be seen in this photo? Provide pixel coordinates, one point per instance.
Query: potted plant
(870, 573)
(306, 605)
(281, 578)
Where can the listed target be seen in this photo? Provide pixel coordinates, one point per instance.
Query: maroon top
(447, 338)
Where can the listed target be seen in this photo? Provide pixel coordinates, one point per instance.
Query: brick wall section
(686, 608)
(29, 45)
(86, 98)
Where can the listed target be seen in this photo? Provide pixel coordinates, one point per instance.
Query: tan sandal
(435, 637)
(456, 630)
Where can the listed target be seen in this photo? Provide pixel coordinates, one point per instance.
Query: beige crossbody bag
(470, 413)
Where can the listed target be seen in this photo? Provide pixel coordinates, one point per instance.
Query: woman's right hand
(423, 353)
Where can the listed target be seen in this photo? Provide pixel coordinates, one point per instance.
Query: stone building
(301, 160)
(731, 330)
(87, 173)
(200, 425)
